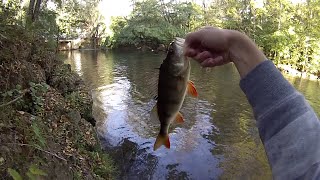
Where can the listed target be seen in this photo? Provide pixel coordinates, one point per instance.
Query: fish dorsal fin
(154, 118)
(155, 97)
(152, 79)
(192, 89)
(179, 118)
(162, 140)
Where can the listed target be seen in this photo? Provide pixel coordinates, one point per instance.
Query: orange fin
(162, 140)
(192, 90)
(179, 118)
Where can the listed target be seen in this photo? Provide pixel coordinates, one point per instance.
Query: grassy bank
(46, 124)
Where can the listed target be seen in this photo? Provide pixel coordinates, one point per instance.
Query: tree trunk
(33, 11)
(58, 37)
(204, 12)
(30, 12)
(36, 10)
(279, 22)
(31, 7)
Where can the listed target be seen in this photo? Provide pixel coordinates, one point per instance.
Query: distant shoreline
(286, 69)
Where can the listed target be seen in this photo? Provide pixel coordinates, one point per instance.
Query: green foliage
(75, 100)
(154, 22)
(105, 168)
(11, 13)
(81, 102)
(14, 174)
(38, 134)
(288, 33)
(46, 27)
(37, 91)
(12, 94)
(69, 20)
(33, 173)
(81, 19)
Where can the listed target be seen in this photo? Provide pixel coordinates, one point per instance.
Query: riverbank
(46, 125)
(288, 70)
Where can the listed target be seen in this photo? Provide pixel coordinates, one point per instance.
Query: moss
(104, 168)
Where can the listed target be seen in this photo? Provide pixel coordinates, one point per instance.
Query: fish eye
(170, 48)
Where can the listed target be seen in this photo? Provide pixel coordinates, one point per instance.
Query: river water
(219, 139)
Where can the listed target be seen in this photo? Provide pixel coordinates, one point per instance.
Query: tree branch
(29, 145)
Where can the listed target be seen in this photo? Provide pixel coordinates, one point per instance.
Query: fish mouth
(179, 41)
(178, 45)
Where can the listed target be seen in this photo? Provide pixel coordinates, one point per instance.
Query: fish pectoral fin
(179, 118)
(162, 140)
(192, 89)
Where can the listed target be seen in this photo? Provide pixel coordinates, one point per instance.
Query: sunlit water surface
(219, 139)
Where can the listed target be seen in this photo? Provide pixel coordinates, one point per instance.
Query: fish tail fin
(162, 140)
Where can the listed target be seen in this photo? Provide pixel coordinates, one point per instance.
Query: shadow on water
(219, 139)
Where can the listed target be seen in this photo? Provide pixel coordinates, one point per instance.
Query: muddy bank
(46, 125)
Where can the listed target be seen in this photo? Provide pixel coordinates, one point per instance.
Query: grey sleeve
(288, 126)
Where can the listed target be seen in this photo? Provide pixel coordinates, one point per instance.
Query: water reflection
(310, 89)
(219, 138)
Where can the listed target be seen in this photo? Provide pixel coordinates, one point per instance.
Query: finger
(190, 52)
(200, 57)
(207, 63)
(203, 55)
(211, 62)
(218, 61)
(193, 39)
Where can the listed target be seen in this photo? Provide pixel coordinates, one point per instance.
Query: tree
(155, 22)
(288, 33)
(34, 9)
(74, 21)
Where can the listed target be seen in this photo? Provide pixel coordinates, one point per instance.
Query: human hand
(209, 46)
(212, 46)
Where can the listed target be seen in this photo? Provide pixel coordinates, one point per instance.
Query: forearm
(288, 127)
(243, 52)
